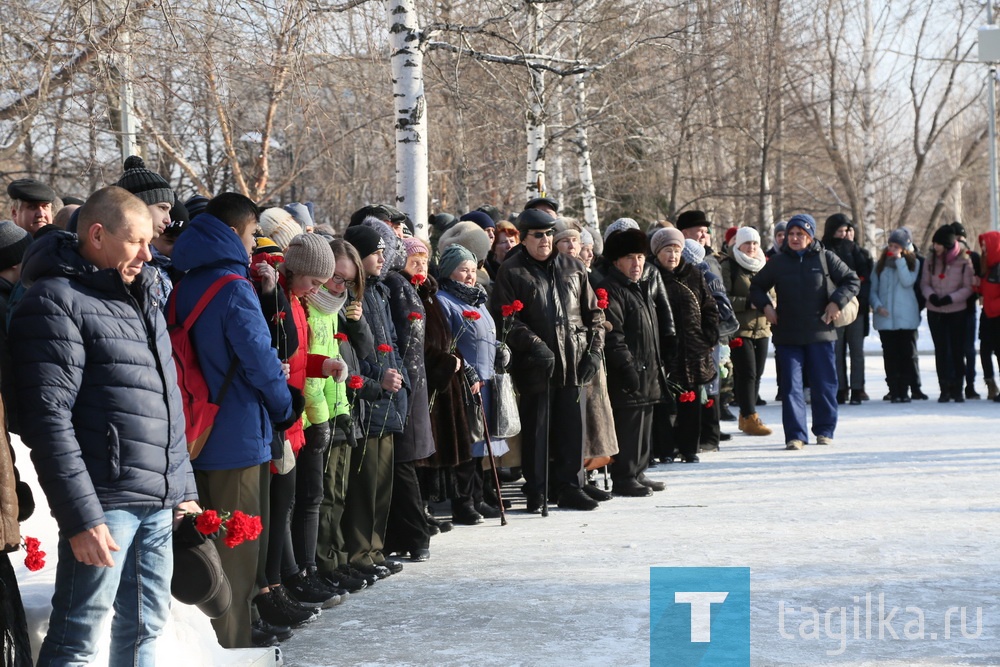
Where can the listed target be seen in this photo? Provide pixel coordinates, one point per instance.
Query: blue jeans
(137, 588)
(818, 362)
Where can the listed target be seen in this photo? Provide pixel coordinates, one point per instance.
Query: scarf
(326, 301)
(470, 296)
(751, 264)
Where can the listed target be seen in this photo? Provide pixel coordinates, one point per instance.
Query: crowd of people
(365, 377)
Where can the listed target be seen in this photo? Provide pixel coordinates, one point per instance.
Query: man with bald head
(101, 412)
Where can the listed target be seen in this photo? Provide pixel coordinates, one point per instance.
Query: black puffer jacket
(560, 311)
(388, 414)
(97, 388)
(801, 293)
(642, 339)
(696, 320)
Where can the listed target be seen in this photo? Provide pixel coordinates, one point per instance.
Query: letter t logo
(701, 612)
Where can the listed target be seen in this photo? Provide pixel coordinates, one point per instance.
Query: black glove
(945, 300)
(25, 501)
(587, 369)
(318, 438)
(934, 300)
(298, 407)
(502, 359)
(629, 380)
(541, 357)
(346, 425)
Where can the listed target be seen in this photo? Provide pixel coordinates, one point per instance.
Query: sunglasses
(542, 235)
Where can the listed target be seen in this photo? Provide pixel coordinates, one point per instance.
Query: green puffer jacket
(325, 398)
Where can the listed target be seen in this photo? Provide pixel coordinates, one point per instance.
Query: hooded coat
(100, 407)
(990, 242)
(893, 290)
(232, 326)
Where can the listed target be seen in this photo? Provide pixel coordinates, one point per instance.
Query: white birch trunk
(407, 61)
(869, 226)
(590, 218)
(556, 165)
(535, 124)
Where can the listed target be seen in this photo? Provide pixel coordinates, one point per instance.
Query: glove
(945, 300)
(502, 360)
(318, 438)
(630, 380)
(587, 369)
(541, 357)
(298, 407)
(346, 426)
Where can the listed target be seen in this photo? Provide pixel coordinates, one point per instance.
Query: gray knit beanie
(693, 252)
(14, 241)
(664, 237)
(619, 225)
(310, 255)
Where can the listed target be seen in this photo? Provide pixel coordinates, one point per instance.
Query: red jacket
(990, 242)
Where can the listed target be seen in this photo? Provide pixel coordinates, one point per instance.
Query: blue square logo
(699, 616)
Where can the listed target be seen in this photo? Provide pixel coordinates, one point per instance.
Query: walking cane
(545, 481)
(489, 450)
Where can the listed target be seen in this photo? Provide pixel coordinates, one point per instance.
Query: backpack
(199, 408)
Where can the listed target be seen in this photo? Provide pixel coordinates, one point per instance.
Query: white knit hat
(745, 234)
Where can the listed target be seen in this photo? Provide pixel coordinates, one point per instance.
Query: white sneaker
(824, 440)
(794, 444)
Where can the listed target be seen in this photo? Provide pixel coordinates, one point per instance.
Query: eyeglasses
(339, 280)
(542, 235)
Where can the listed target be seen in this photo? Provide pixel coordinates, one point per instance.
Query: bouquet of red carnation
(34, 558)
(238, 526)
(602, 297)
(418, 279)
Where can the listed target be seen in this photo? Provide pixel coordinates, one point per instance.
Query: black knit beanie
(145, 184)
(945, 236)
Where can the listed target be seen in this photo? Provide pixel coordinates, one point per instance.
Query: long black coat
(696, 320)
(560, 311)
(642, 323)
(97, 388)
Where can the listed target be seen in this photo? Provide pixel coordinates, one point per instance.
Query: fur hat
(745, 234)
(364, 239)
(693, 252)
(689, 219)
(627, 242)
(145, 184)
(452, 257)
(470, 236)
(664, 237)
(803, 221)
(14, 241)
(310, 255)
(619, 225)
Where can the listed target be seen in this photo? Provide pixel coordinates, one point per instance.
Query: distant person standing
(969, 348)
(896, 312)
(101, 411)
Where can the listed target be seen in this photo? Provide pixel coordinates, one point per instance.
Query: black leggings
(309, 495)
(279, 536)
(748, 366)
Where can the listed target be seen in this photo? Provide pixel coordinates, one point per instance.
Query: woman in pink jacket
(947, 284)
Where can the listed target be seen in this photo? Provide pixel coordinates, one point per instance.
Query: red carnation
(686, 397)
(472, 315)
(242, 527)
(735, 343)
(278, 316)
(601, 293)
(34, 560)
(517, 306)
(413, 317)
(32, 543)
(418, 279)
(339, 336)
(355, 382)
(208, 522)
(710, 402)
(941, 276)
(384, 349)
(507, 310)
(602, 303)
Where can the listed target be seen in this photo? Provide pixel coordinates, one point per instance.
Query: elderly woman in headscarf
(463, 302)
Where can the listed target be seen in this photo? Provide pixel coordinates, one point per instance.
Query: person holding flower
(463, 302)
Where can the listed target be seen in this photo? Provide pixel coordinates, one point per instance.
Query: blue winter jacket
(231, 326)
(893, 290)
(96, 388)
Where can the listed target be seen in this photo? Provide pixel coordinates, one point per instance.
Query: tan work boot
(794, 444)
(991, 389)
(752, 425)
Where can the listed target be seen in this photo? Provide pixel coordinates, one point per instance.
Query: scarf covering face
(751, 264)
(470, 296)
(326, 301)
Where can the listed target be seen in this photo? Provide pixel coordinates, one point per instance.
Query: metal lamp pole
(991, 106)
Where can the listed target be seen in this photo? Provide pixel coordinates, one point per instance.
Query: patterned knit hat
(693, 252)
(278, 225)
(310, 255)
(414, 246)
(145, 184)
(619, 225)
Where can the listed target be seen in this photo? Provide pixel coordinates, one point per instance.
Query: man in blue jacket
(101, 412)
(232, 330)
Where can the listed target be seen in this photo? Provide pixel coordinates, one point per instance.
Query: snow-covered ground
(904, 506)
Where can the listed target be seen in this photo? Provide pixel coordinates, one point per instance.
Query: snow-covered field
(903, 508)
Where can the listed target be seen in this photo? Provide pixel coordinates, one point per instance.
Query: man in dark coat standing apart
(557, 341)
(101, 412)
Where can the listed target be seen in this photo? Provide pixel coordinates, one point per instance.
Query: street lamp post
(989, 52)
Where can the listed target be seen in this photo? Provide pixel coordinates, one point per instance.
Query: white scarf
(751, 264)
(326, 301)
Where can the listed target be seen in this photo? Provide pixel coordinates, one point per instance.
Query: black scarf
(470, 296)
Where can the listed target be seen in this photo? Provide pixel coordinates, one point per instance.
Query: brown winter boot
(752, 425)
(991, 389)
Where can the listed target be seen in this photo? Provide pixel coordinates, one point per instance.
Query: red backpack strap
(202, 303)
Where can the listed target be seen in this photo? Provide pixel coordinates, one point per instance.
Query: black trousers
(279, 534)
(688, 427)
(309, 487)
(555, 427)
(407, 529)
(634, 428)
(468, 483)
(948, 332)
(16, 647)
(989, 343)
(898, 348)
(970, 345)
(748, 366)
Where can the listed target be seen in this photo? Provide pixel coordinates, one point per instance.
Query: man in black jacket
(638, 349)
(557, 341)
(101, 412)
